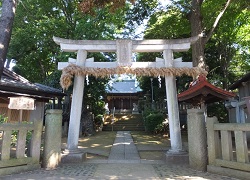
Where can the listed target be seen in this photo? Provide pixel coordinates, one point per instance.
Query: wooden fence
(17, 154)
(228, 149)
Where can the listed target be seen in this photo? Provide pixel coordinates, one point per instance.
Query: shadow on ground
(149, 146)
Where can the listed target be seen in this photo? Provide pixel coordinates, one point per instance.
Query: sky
(165, 2)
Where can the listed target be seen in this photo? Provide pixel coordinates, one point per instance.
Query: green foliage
(158, 92)
(93, 94)
(36, 22)
(98, 120)
(3, 119)
(36, 54)
(219, 110)
(14, 138)
(28, 137)
(226, 52)
(136, 15)
(168, 24)
(162, 128)
(153, 120)
(148, 112)
(14, 134)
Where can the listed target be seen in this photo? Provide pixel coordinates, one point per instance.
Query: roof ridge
(15, 76)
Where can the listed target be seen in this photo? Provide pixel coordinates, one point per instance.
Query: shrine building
(122, 95)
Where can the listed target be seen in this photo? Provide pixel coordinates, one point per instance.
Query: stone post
(197, 139)
(52, 140)
(35, 143)
(213, 142)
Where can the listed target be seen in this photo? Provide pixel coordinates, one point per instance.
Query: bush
(3, 119)
(162, 128)
(152, 121)
(148, 112)
(219, 110)
(98, 120)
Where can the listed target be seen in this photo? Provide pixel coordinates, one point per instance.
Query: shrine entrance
(167, 67)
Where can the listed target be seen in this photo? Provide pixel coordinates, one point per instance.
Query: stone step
(129, 122)
(128, 125)
(123, 125)
(124, 128)
(127, 116)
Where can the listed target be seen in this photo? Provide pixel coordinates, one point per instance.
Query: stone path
(123, 149)
(123, 164)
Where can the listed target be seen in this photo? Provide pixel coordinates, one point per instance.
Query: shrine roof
(236, 84)
(12, 84)
(202, 90)
(124, 87)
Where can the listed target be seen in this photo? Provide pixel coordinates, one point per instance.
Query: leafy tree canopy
(37, 21)
(226, 52)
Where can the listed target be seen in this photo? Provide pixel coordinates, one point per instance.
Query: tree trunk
(198, 48)
(6, 23)
(198, 56)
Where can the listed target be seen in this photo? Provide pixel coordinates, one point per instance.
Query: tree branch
(217, 21)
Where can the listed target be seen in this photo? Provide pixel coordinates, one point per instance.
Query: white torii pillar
(77, 98)
(172, 104)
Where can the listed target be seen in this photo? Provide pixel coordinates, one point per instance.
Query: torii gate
(167, 67)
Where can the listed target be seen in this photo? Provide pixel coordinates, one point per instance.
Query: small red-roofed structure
(201, 91)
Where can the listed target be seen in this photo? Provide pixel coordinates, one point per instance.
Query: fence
(13, 114)
(228, 151)
(16, 153)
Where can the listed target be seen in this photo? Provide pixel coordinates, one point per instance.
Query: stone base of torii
(167, 67)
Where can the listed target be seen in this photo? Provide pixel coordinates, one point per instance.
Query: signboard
(23, 103)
